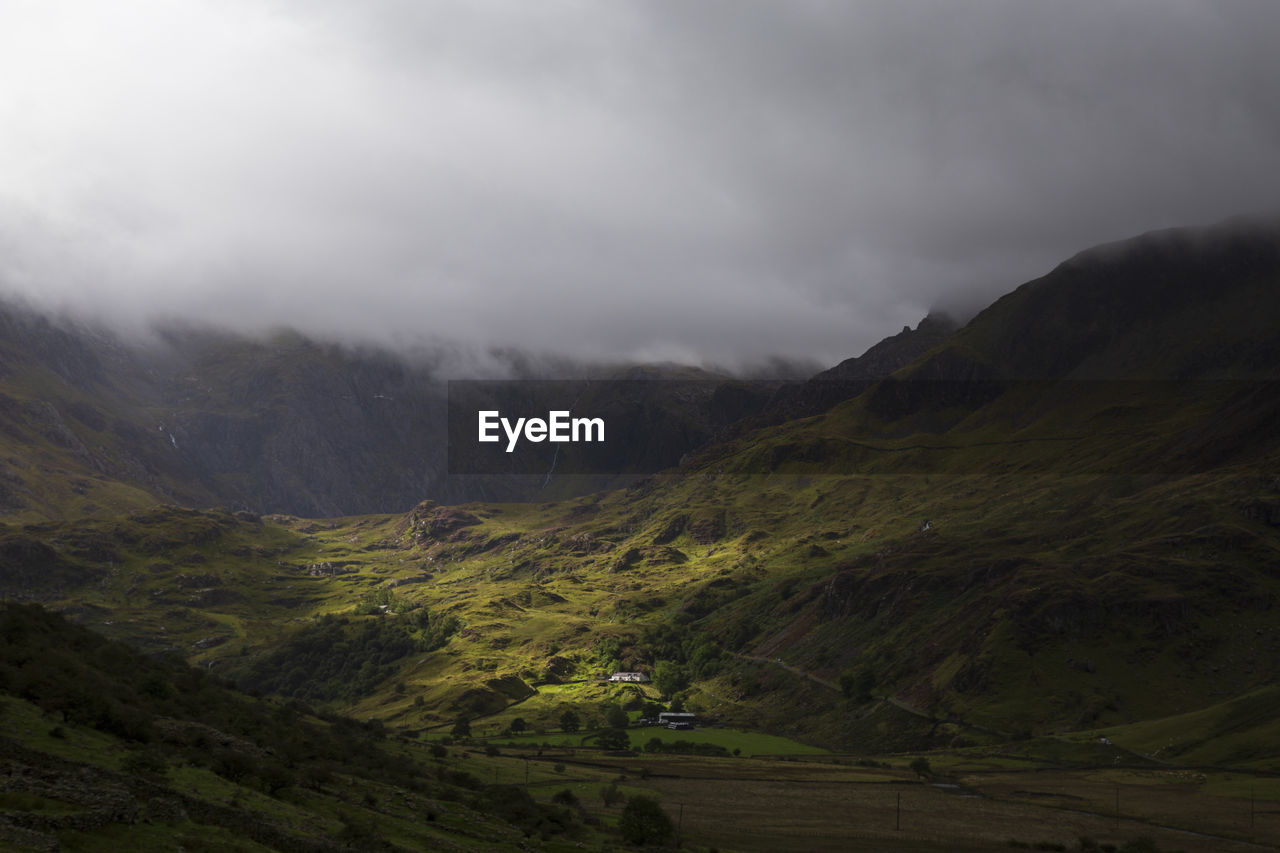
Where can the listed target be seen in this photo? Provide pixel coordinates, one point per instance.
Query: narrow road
(892, 700)
(898, 703)
(791, 669)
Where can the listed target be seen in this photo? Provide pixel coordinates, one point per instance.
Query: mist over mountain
(1047, 535)
(277, 422)
(720, 183)
(282, 422)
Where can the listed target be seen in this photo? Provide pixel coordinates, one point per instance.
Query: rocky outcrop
(853, 376)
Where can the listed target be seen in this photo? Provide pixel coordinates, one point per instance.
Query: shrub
(644, 822)
(565, 797)
(614, 739)
(614, 716)
(569, 721)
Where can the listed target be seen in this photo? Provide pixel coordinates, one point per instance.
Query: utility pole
(679, 825)
(1117, 804)
(897, 818)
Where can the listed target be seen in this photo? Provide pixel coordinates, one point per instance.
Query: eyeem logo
(558, 428)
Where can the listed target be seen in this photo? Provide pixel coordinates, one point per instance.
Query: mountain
(1182, 303)
(93, 424)
(894, 352)
(854, 375)
(1063, 516)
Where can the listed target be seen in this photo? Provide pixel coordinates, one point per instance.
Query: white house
(638, 677)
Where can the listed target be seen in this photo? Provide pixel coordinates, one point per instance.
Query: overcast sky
(688, 179)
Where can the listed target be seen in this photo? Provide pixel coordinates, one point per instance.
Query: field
(834, 803)
(747, 743)
(1045, 793)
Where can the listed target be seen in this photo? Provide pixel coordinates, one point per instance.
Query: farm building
(636, 677)
(677, 719)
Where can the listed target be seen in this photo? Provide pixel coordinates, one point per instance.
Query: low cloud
(719, 180)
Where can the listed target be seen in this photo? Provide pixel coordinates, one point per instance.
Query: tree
(670, 677)
(614, 739)
(614, 716)
(569, 721)
(921, 767)
(644, 822)
(857, 686)
(518, 725)
(461, 727)
(610, 794)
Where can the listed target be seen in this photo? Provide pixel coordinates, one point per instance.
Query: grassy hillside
(794, 602)
(106, 747)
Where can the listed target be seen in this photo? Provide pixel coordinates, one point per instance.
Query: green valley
(1026, 568)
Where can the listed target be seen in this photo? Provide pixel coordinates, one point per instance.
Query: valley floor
(973, 802)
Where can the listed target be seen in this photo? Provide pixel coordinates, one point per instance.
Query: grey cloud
(718, 180)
